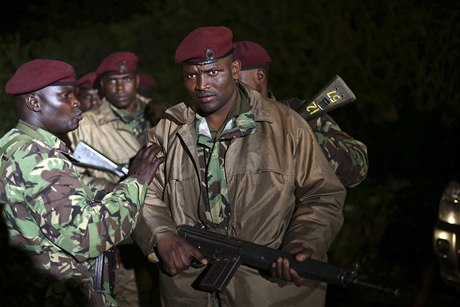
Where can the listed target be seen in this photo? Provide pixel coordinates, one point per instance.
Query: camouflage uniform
(346, 155)
(55, 217)
(118, 136)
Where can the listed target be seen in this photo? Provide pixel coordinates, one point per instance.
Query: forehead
(57, 89)
(112, 76)
(88, 91)
(218, 65)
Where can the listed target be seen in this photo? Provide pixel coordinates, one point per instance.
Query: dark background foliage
(399, 57)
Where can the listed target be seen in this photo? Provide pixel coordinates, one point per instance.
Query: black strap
(98, 276)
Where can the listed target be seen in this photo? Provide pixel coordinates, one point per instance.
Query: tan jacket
(104, 131)
(282, 194)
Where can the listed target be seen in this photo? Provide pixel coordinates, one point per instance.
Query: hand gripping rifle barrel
(225, 254)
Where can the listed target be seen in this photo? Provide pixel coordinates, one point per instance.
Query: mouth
(121, 99)
(79, 116)
(205, 98)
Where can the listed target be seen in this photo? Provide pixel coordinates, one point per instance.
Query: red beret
(40, 73)
(87, 81)
(147, 80)
(119, 63)
(205, 45)
(251, 55)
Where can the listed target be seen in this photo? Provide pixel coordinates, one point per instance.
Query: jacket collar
(105, 113)
(261, 107)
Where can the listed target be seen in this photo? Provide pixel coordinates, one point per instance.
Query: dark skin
(213, 89)
(256, 78)
(56, 109)
(121, 89)
(89, 98)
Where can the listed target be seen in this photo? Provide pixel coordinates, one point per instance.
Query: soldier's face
(89, 98)
(121, 89)
(57, 108)
(212, 86)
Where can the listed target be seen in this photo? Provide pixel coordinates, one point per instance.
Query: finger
(154, 150)
(169, 264)
(157, 162)
(285, 270)
(182, 259)
(298, 281)
(278, 267)
(301, 257)
(195, 253)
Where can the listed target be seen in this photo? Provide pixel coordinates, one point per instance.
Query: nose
(201, 82)
(75, 102)
(120, 85)
(94, 100)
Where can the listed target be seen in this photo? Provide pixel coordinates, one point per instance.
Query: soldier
(155, 108)
(146, 86)
(117, 129)
(242, 166)
(64, 225)
(346, 155)
(87, 93)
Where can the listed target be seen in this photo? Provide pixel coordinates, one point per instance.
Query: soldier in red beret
(87, 92)
(117, 129)
(346, 155)
(64, 225)
(242, 166)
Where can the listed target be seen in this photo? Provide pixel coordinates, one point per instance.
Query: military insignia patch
(123, 67)
(210, 54)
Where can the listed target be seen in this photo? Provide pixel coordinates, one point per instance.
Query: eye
(189, 76)
(128, 79)
(213, 72)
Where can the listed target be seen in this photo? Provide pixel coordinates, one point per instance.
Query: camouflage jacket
(53, 216)
(346, 155)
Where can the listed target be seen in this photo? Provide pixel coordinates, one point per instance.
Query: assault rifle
(225, 254)
(335, 94)
(87, 156)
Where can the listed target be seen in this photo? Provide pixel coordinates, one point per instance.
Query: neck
(217, 119)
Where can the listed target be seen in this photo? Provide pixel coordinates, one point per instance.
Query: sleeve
(155, 221)
(318, 215)
(346, 155)
(67, 214)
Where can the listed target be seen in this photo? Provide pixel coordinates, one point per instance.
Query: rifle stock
(225, 254)
(335, 94)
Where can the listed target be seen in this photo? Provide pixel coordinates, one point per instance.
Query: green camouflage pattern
(211, 155)
(347, 156)
(53, 216)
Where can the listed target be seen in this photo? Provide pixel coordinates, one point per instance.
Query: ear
(236, 67)
(138, 81)
(260, 75)
(32, 103)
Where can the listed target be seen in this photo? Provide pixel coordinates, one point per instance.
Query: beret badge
(123, 67)
(209, 55)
